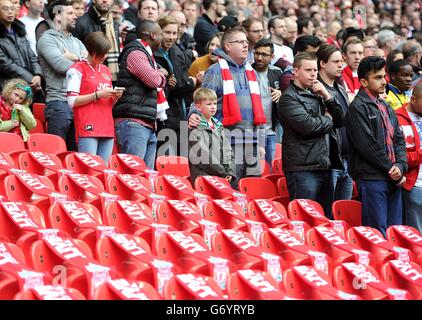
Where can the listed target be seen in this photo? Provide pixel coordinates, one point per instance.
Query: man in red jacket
(410, 120)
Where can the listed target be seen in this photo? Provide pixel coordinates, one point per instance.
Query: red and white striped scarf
(162, 104)
(231, 109)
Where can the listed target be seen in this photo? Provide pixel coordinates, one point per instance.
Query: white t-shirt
(417, 120)
(30, 25)
(282, 52)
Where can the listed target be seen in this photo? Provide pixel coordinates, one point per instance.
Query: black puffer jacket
(17, 60)
(309, 142)
(183, 89)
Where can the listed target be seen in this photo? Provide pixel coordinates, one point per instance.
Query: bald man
(410, 120)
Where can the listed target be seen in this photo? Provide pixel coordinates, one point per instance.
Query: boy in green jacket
(210, 152)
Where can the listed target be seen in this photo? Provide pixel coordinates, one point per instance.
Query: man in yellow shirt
(397, 90)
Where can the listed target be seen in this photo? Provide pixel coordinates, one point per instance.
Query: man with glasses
(239, 103)
(268, 75)
(255, 32)
(206, 25)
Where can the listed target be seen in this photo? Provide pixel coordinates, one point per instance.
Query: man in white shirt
(35, 8)
(278, 31)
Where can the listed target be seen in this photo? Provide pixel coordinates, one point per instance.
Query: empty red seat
(270, 212)
(181, 215)
(127, 163)
(365, 282)
(50, 293)
(85, 163)
(122, 289)
(307, 210)
(407, 237)
(192, 287)
(129, 187)
(305, 282)
(45, 142)
(214, 187)
(173, 165)
(12, 144)
(403, 275)
(253, 285)
(258, 188)
(226, 213)
(349, 211)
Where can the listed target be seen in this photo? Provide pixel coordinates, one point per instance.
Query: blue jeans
(312, 185)
(342, 183)
(381, 204)
(279, 132)
(59, 118)
(102, 147)
(270, 149)
(134, 138)
(412, 207)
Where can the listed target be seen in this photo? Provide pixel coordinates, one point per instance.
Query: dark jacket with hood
(17, 60)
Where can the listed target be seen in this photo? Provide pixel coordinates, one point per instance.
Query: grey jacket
(50, 48)
(210, 152)
(17, 60)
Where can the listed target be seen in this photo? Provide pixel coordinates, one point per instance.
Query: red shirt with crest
(94, 119)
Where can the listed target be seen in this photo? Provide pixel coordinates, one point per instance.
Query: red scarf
(231, 109)
(352, 82)
(387, 126)
(162, 104)
(6, 114)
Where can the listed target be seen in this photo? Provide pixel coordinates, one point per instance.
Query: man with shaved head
(410, 119)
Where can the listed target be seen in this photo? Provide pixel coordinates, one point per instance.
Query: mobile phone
(119, 88)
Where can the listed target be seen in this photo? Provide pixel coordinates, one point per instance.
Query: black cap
(227, 22)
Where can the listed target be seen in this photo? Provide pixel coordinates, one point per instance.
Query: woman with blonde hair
(15, 115)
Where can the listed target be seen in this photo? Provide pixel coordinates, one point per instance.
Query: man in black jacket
(308, 114)
(377, 149)
(206, 25)
(17, 60)
(330, 65)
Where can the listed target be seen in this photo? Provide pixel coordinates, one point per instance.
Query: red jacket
(413, 147)
(352, 83)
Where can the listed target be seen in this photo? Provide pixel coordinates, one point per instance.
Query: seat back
(173, 165)
(50, 293)
(404, 275)
(85, 163)
(257, 188)
(277, 166)
(192, 287)
(181, 215)
(39, 127)
(46, 143)
(226, 213)
(174, 187)
(129, 186)
(349, 211)
(16, 190)
(38, 111)
(307, 210)
(406, 237)
(127, 163)
(122, 289)
(11, 142)
(214, 187)
(270, 212)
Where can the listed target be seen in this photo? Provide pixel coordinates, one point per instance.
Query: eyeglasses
(221, 4)
(257, 31)
(8, 8)
(240, 42)
(263, 54)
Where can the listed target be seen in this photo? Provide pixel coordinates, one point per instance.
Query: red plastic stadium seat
(307, 210)
(50, 293)
(38, 111)
(349, 211)
(404, 275)
(278, 151)
(365, 282)
(45, 142)
(214, 187)
(39, 127)
(12, 144)
(258, 188)
(173, 165)
(122, 289)
(174, 187)
(127, 163)
(181, 215)
(407, 237)
(192, 287)
(85, 163)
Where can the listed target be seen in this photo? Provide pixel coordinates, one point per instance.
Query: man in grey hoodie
(57, 50)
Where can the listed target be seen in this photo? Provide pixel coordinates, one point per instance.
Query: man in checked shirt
(135, 113)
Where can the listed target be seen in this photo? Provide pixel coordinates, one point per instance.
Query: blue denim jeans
(412, 207)
(381, 204)
(134, 138)
(59, 118)
(342, 183)
(312, 185)
(270, 149)
(102, 147)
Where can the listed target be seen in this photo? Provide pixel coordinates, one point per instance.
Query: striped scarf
(162, 104)
(387, 126)
(113, 53)
(231, 109)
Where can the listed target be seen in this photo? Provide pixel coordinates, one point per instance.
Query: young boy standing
(210, 152)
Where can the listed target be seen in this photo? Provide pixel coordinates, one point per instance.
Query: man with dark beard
(100, 18)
